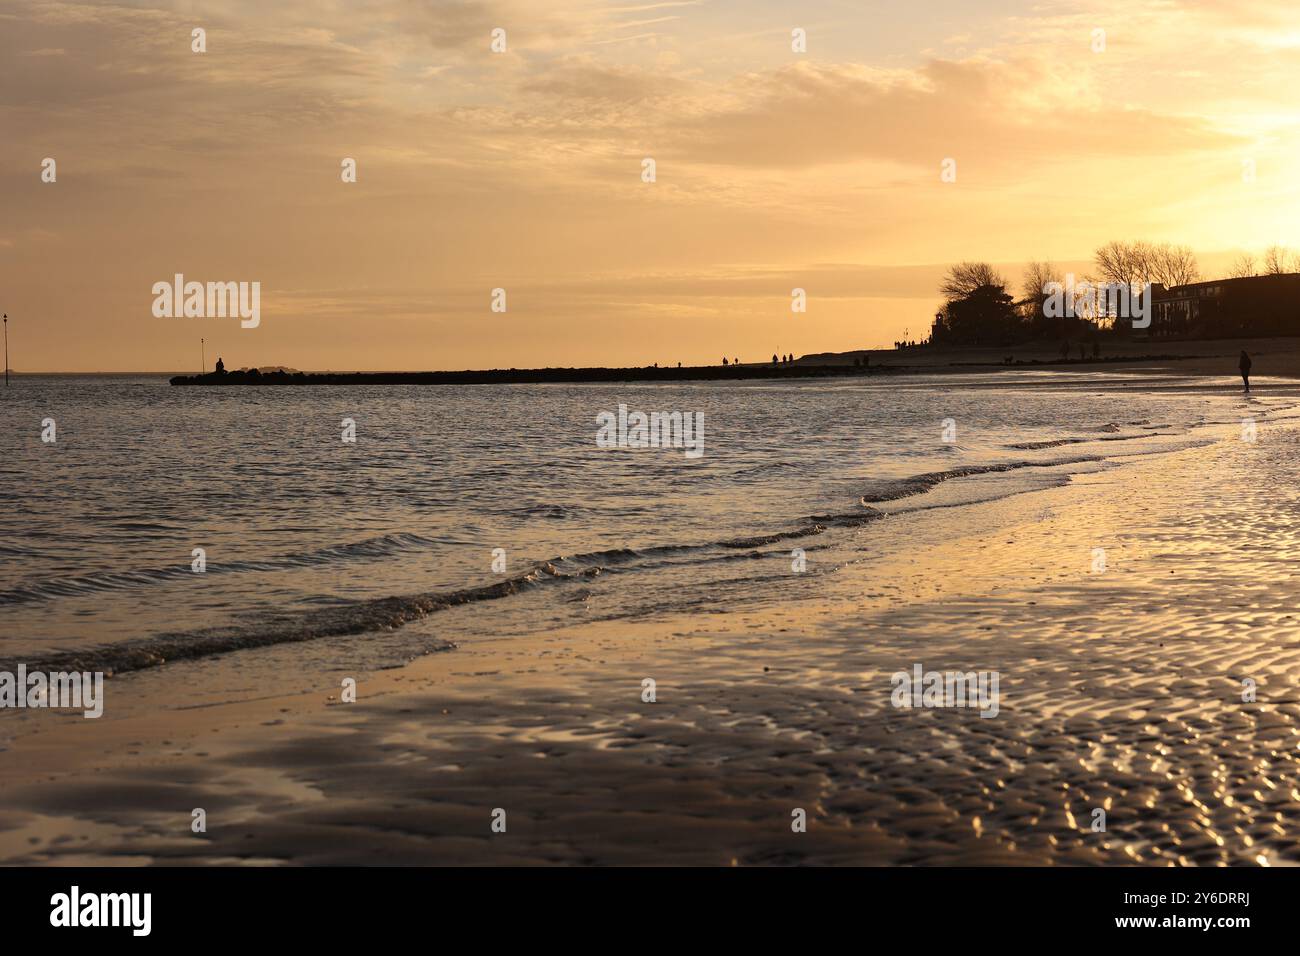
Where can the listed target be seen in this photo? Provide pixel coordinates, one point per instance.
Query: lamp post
(203, 357)
(6, 315)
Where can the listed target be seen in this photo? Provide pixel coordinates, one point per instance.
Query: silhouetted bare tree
(1136, 263)
(1091, 307)
(1036, 277)
(1123, 263)
(1171, 265)
(1243, 267)
(965, 277)
(1278, 261)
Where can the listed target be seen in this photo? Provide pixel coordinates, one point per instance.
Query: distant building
(1253, 306)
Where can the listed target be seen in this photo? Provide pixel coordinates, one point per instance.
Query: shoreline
(532, 376)
(647, 375)
(1275, 358)
(1207, 357)
(1120, 692)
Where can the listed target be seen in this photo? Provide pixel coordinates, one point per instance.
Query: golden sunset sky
(522, 170)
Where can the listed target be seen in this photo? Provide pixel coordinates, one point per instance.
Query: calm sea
(468, 497)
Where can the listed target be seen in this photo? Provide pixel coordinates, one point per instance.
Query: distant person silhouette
(221, 366)
(724, 360)
(1243, 365)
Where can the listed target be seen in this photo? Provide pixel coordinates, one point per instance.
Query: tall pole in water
(6, 315)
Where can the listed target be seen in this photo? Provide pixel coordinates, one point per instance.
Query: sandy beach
(1121, 691)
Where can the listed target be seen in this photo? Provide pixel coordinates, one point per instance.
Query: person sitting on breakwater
(221, 366)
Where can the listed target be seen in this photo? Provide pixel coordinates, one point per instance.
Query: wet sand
(1120, 690)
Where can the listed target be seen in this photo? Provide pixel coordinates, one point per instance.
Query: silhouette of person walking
(1243, 365)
